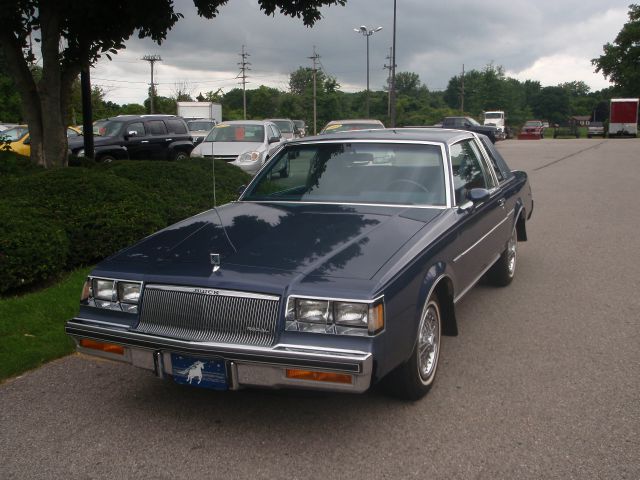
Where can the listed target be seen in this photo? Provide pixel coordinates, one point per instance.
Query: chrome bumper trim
(358, 363)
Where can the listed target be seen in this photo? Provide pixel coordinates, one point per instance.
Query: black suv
(139, 137)
(468, 123)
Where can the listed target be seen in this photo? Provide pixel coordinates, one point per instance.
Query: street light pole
(367, 33)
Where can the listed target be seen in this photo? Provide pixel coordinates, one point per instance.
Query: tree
(74, 34)
(621, 60)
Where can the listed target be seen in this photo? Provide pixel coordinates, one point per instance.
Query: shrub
(33, 247)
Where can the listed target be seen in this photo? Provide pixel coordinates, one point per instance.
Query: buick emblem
(215, 261)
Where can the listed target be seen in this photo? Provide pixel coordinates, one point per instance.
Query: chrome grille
(209, 315)
(224, 158)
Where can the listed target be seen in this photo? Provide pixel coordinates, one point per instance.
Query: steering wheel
(410, 182)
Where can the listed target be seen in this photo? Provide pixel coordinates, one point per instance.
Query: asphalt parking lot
(542, 382)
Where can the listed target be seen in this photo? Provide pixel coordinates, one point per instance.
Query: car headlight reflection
(334, 316)
(120, 295)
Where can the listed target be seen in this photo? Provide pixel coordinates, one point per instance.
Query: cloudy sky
(551, 41)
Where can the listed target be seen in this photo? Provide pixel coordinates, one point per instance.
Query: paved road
(543, 382)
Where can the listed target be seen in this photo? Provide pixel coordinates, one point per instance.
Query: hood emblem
(215, 261)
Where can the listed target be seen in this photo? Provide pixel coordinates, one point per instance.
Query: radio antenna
(215, 205)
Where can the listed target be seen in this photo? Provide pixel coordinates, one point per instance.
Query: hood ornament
(215, 261)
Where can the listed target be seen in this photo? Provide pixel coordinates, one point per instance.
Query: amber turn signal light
(104, 347)
(319, 376)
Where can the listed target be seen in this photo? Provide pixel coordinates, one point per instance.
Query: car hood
(229, 148)
(278, 241)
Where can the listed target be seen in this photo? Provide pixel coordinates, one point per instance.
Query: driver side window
(468, 170)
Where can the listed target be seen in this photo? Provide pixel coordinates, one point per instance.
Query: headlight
(121, 295)
(252, 156)
(334, 316)
(196, 152)
(80, 153)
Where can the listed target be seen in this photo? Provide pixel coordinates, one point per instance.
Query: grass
(32, 325)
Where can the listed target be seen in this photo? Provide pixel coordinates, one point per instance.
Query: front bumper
(247, 366)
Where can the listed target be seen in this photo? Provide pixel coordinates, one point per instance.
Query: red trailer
(623, 117)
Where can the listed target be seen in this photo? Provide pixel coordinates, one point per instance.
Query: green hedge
(52, 221)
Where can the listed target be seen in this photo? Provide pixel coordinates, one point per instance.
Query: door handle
(501, 202)
(168, 139)
(144, 141)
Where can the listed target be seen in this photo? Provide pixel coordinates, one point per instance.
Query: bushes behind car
(52, 221)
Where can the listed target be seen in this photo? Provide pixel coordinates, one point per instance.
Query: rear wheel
(179, 156)
(106, 158)
(503, 271)
(414, 378)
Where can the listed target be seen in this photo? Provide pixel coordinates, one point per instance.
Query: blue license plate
(205, 373)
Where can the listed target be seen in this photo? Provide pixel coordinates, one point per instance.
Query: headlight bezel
(116, 294)
(331, 323)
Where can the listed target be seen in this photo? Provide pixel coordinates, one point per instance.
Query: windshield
(285, 126)
(492, 115)
(533, 123)
(346, 127)
(198, 126)
(107, 128)
(13, 134)
(382, 173)
(236, 133)
(299, 123)
(472, 121)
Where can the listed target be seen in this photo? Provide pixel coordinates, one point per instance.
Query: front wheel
(503, 271)
(414, 378)
(179, 156)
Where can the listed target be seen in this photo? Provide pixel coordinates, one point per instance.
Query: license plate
(205, 373)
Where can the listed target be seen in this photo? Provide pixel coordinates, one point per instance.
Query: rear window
(176, 126)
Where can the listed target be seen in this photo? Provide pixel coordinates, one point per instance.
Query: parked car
(199, 129)
(532, 130)
(301, 126)
(138, 137)
(339, 266)
(18, 139)
(469, 124)
(244, 143)
(286, 126)
(335, 126)
(595, 129)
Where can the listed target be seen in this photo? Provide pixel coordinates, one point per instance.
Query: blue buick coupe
(339, 266)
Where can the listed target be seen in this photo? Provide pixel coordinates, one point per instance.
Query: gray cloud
(434, 39)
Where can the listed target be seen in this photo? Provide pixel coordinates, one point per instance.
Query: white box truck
(623, 117)
(191, 110)
(496, 118)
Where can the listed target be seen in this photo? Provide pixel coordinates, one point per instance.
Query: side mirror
(241, 189)
(132, 133)
(28, 141)
(274, 139)
(474, 197)
(466, 124)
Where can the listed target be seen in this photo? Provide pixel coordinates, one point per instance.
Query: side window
(156, 127)
(468, 171)
(274, 132)
(176, 126)
(137, 127)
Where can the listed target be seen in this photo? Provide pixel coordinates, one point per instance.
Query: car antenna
(213, 171)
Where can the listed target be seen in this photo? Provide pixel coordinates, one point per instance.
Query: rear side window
(156, 127)
(176, 126)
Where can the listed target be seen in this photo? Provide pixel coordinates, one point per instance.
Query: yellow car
(17, 138)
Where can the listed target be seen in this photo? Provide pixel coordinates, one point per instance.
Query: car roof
(426, 134)
(245, 122)
(355, 120)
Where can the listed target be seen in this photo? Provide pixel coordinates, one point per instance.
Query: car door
(136, 141)
(158, 139)
(479, 239)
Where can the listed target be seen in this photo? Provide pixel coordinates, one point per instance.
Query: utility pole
(152, 59)
(393, 72)
(388, 67)
(244, 68)
(462, 92)
(314, 58)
